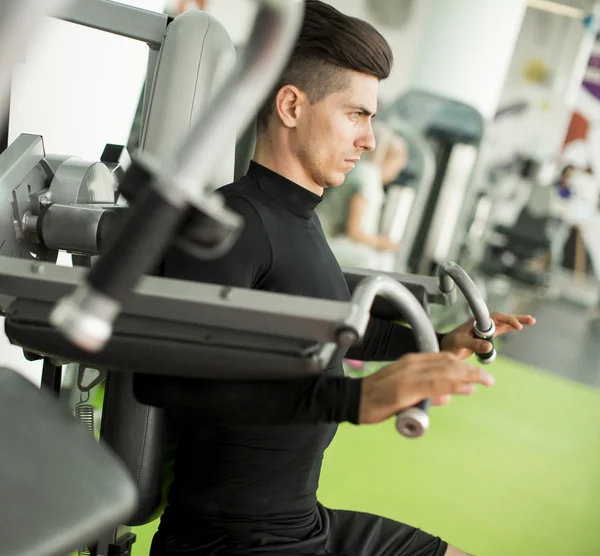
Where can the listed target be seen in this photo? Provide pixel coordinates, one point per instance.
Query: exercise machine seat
(528, 235)
(526, 239)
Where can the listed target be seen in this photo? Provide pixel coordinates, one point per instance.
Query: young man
(249, 453)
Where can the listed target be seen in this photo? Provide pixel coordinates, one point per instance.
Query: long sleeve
(318, 399)
(385, 341)
(322, 399)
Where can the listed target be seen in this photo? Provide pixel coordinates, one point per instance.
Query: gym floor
(565, 342)
(514, 470)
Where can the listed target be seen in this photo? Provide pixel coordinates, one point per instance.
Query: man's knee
(452, 551)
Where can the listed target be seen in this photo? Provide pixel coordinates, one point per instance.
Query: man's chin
(336, 179)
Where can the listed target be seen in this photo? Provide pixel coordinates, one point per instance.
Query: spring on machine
(84, 412)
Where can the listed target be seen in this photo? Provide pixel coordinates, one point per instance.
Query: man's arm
(321, 399)
(314, 399)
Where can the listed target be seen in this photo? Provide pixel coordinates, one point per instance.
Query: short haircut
(329, 43)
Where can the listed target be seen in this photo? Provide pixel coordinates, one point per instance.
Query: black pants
(334, 533)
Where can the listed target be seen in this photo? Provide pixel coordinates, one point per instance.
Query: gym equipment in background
(454, 131)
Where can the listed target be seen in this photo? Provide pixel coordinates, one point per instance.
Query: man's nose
(367, 141)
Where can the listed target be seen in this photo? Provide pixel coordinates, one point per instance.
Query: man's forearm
(320, 399)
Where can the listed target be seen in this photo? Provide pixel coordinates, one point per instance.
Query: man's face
(332, 134)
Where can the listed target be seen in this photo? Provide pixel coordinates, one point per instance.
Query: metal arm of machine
(86, 317)
(118, 18)
(412, 422)
(483, 327)
(431, 284)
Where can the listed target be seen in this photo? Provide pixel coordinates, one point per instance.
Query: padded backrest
(196, 56)
(137, 434)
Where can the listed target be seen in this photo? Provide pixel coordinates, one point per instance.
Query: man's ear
(288, 105)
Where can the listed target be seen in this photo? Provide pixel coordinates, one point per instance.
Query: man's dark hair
(329, 43)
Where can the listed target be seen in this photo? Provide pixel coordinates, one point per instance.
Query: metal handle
(86, 317)
(412, 422)
(483, 328)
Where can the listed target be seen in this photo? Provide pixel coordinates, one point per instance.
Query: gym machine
(454, 131)
(406, 200)
(110, 314)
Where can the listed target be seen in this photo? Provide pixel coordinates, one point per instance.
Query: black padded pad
(59, 488)
(528, 233)
(381, 307)
(154, 346)
(524, 238)
(527, 277)
(493, 267)
(137, 434)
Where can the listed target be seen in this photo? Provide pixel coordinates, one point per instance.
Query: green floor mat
(512, 471)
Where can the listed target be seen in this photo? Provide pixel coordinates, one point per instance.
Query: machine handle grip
(489, 357)
(483, 328)
(414, 421)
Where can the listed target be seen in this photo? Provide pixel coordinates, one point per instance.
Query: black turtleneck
(249, 450)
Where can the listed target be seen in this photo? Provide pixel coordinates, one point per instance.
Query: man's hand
(416, 377)
(462, 343)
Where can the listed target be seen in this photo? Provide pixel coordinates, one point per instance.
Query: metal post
(51, 377)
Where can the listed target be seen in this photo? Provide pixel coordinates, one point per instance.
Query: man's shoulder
(244, 193)
(244, 186)
(244, 197)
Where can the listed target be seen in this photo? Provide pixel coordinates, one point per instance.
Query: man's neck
(287, 166)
